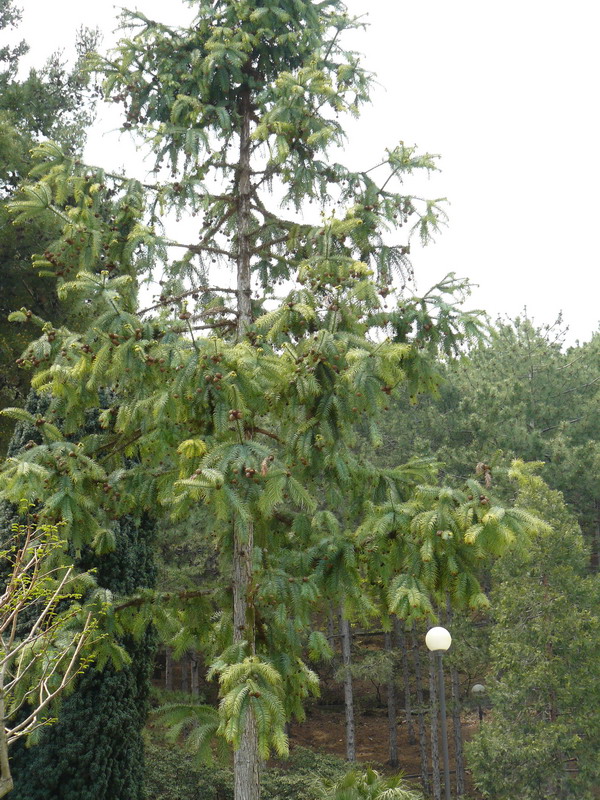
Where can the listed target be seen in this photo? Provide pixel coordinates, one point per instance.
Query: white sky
(505, 91)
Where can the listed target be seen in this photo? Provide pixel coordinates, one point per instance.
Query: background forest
(267, 488)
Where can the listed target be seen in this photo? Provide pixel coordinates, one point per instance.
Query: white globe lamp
(438, 639)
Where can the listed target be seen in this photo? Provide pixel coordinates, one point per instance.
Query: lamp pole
(477, 691)
(438, 640)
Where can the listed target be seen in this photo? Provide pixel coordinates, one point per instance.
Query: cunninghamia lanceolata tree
(435, 545)
(249, 406)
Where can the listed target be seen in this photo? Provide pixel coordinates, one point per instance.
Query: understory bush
(172, 774)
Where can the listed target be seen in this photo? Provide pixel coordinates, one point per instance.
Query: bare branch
(226, 323)
(37, 666)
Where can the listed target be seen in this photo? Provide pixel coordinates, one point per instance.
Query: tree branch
(552, 427)
(252, 429)
(178, 297)
(226, 323)
(197, 249)
(136, 602)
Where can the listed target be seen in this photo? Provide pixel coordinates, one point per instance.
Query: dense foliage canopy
(252, 408)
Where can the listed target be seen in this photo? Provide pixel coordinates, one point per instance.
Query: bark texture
(246, 760)
(421, 716)
(331, 628)
(392, 707)
(458, 738)
(348, 690)
(185, 673)
(6, 780)
(244, 278)
(400, 638)
(195, 674)
(168, 671)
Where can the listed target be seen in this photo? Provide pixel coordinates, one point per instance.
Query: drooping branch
(136, 602)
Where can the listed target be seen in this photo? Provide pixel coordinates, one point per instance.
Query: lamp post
(438, 640)
(477, 691)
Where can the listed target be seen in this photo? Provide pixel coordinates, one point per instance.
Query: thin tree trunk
(168, 671)
(244, 277)
(6, 779)
(246, 759)
(459, 761)
(195, 674)
(185, 673)
(348, 693)
(435, 747)
(595, 543)
(400, 637)
(421, 715)
(391, 704)
(331, 629)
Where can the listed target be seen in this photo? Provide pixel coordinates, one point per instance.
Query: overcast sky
(506, 92)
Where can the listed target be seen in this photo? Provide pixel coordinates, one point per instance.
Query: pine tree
(541, 738)
(521, 394)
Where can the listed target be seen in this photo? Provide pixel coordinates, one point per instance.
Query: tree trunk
(435, 747)
(246, 760)
(246, 764)
(168, 671)
(595, 543)
(348, 693)
(331, 629)
(391, 704)
(400, 637)
(6, 780)
(459, 760)
(195, 674)
(244, 276)
(185, 673)
(421, 716)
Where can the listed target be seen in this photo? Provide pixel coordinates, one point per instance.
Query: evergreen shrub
(172, 774)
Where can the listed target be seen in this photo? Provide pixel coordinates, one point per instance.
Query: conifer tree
(51, 102)
(255, 418)
(541, 739)
(520, 394)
